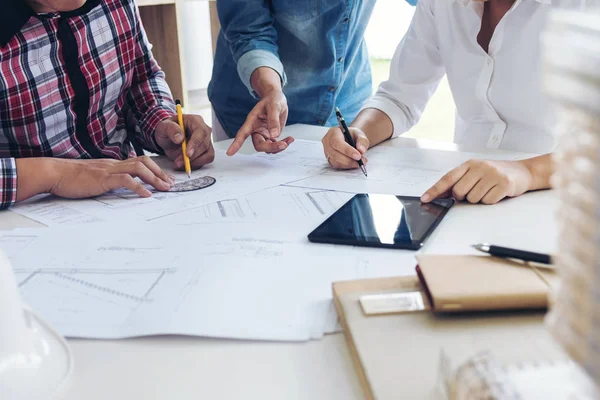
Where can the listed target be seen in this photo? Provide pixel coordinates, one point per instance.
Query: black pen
(506, 252)
(348, 136)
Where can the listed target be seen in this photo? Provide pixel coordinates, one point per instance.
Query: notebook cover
(475, 283)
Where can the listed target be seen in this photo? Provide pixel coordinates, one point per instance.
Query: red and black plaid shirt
(72, 83)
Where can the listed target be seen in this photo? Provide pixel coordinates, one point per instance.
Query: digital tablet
(380, 220)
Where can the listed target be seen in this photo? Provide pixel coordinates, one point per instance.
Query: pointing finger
(444, 185)
(245, 131)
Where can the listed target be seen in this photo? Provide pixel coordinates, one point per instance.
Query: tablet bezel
(314, 237)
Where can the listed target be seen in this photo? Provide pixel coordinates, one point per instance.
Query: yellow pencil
(186, 159)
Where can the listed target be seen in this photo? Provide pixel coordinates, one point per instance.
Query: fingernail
(357, 157)
(172, 179)
(425, 197)
(191, 152)
(362, 148)
(282, 146)
(178, 136)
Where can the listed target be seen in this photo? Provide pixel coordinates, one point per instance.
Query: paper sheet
(302, 208)
(219, 262)
(236, 176)
(229, 279)
(400, 171)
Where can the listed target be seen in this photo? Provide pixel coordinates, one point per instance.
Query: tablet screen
(381, 220)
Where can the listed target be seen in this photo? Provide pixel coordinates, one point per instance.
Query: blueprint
(241, 281)
(231, 260)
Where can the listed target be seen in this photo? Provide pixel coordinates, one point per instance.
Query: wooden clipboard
(396, 356)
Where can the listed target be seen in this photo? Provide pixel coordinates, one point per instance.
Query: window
(388, 25)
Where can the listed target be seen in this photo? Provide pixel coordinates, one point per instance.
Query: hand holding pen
(345, 147)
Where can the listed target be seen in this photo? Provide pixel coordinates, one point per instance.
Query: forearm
(375, 124)
(34, 176)
(265, 80)
(541, 169)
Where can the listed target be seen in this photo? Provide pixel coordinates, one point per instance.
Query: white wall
(197, 44)
(388, 25)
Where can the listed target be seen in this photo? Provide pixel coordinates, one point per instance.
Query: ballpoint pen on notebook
(348, 137)
(506, 252)
(186, 159)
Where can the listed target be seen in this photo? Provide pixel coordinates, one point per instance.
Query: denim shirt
(316, 46)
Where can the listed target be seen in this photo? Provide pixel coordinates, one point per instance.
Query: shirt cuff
(8, 188)
(149, 123)
(395, 112)
(254, 59)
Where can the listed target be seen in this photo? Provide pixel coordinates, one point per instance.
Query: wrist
(36, 176)
(265, 80)
(540, 170)
(375, 124)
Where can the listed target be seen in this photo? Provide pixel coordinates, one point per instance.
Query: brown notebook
(471, 283)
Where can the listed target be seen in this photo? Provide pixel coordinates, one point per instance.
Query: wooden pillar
(161, 20)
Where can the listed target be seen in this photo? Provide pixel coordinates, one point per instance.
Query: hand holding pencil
(185, 136)
(184, 151)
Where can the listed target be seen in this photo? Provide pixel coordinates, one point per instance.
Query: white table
(197, 368)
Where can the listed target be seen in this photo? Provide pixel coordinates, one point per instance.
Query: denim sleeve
(247, 26)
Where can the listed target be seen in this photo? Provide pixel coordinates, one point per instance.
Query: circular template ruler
(193, 184)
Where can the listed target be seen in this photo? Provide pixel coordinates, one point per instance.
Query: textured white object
(572, 79)
(35, 362)
(483, 376)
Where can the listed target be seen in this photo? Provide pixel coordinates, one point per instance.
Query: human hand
(200, 149)
(265, 123)
(478, 181)
(339, 153)
(76, 179)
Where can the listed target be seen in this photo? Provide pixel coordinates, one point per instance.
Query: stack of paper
(227, 279)
(231, 260)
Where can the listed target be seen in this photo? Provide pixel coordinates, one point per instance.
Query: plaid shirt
(73, 84)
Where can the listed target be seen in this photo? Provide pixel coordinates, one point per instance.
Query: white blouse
(499, 98)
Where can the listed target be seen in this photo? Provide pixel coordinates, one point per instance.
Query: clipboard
(396, 356)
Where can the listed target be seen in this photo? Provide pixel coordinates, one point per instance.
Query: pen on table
(506, 252)
(348, 136)
(186, 159)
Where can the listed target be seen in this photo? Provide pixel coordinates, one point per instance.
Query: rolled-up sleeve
(254, 59)
(247, 25)
(8, 185)
(415, 73)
